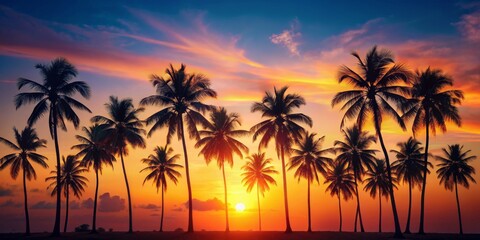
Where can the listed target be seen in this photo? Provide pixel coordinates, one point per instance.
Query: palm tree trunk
(189, 186)
(458, 208)
(398, 231)
(358, 207)
(130, 227)
(227, 227)
(407, 228)
(163, 209)
(424, 185)
(340, 211)
(66, 211)
(285, 195)
(380, 211)
(56, 226)
(356, 219)
(27, 218)
(259, 217)
(308, 205)
(94, 226)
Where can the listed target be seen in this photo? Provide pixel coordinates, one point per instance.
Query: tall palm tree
(27, 143)
(55, 96)
(454, 169)
(408, 168)
(355, 153)
(340, 182)
(218, 142)
(282, 126)
(309, 161)
(181, 95)
(94, 152)
(124, 128)
(71, 180)
(377, 181)
(161, 166)
(431, 107)
(376, 94)
(257, 171)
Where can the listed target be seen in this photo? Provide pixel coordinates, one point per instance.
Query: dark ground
(246, 235)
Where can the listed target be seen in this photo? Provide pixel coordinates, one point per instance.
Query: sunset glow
(243, 49)
(240, 207)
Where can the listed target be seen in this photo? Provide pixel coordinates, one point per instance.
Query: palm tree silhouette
(218, 142)
(54, 96)
(355, 153)
(375, 94)
(258, 171)
(71, 180)
(124, 128)
(283, 126)
(409, 167)
(181, 94)
(27, 143)
(161, 166)
(377, 181)
(340, 181)
(309, 160)
(95, 152)
(431, 107)
(454, 169)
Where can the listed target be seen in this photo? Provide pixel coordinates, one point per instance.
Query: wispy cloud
(289, 38)
(469, 26)
(213, 204)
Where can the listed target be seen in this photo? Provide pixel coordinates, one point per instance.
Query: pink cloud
(289, 38)
(469, 26)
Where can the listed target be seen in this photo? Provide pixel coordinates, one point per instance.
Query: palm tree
(409, 167)
(218, 142)
(27, 143)
(181, 94)
(375, 94)
(161, 166)
(54, 96)
(124, 128)
(258, 171)
(340, 182)
(377, 181)
(95, 152)
(309, 160)
(431, 108)
(283, 126)
(355, 153)
(454, 169)
(71, 180)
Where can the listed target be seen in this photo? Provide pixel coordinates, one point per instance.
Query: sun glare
(240, 207)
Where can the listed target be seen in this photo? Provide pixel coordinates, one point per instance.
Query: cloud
(469, 26)
(149, 206)
(213, 204)
(289, 38)
(35, 190)
(43, 205)
(88, 203)
(74, 205)
(178, 209)
(10, 203)
(6, 191)
(111, 204)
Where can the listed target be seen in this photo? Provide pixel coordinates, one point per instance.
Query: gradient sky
(245, 48)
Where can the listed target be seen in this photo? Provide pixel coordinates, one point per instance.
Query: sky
(245, 48)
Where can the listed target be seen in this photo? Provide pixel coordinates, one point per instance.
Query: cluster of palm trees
(380, 88)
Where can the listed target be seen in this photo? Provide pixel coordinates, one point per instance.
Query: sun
(240, 207)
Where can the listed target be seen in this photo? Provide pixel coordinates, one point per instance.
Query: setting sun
(240, 207)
